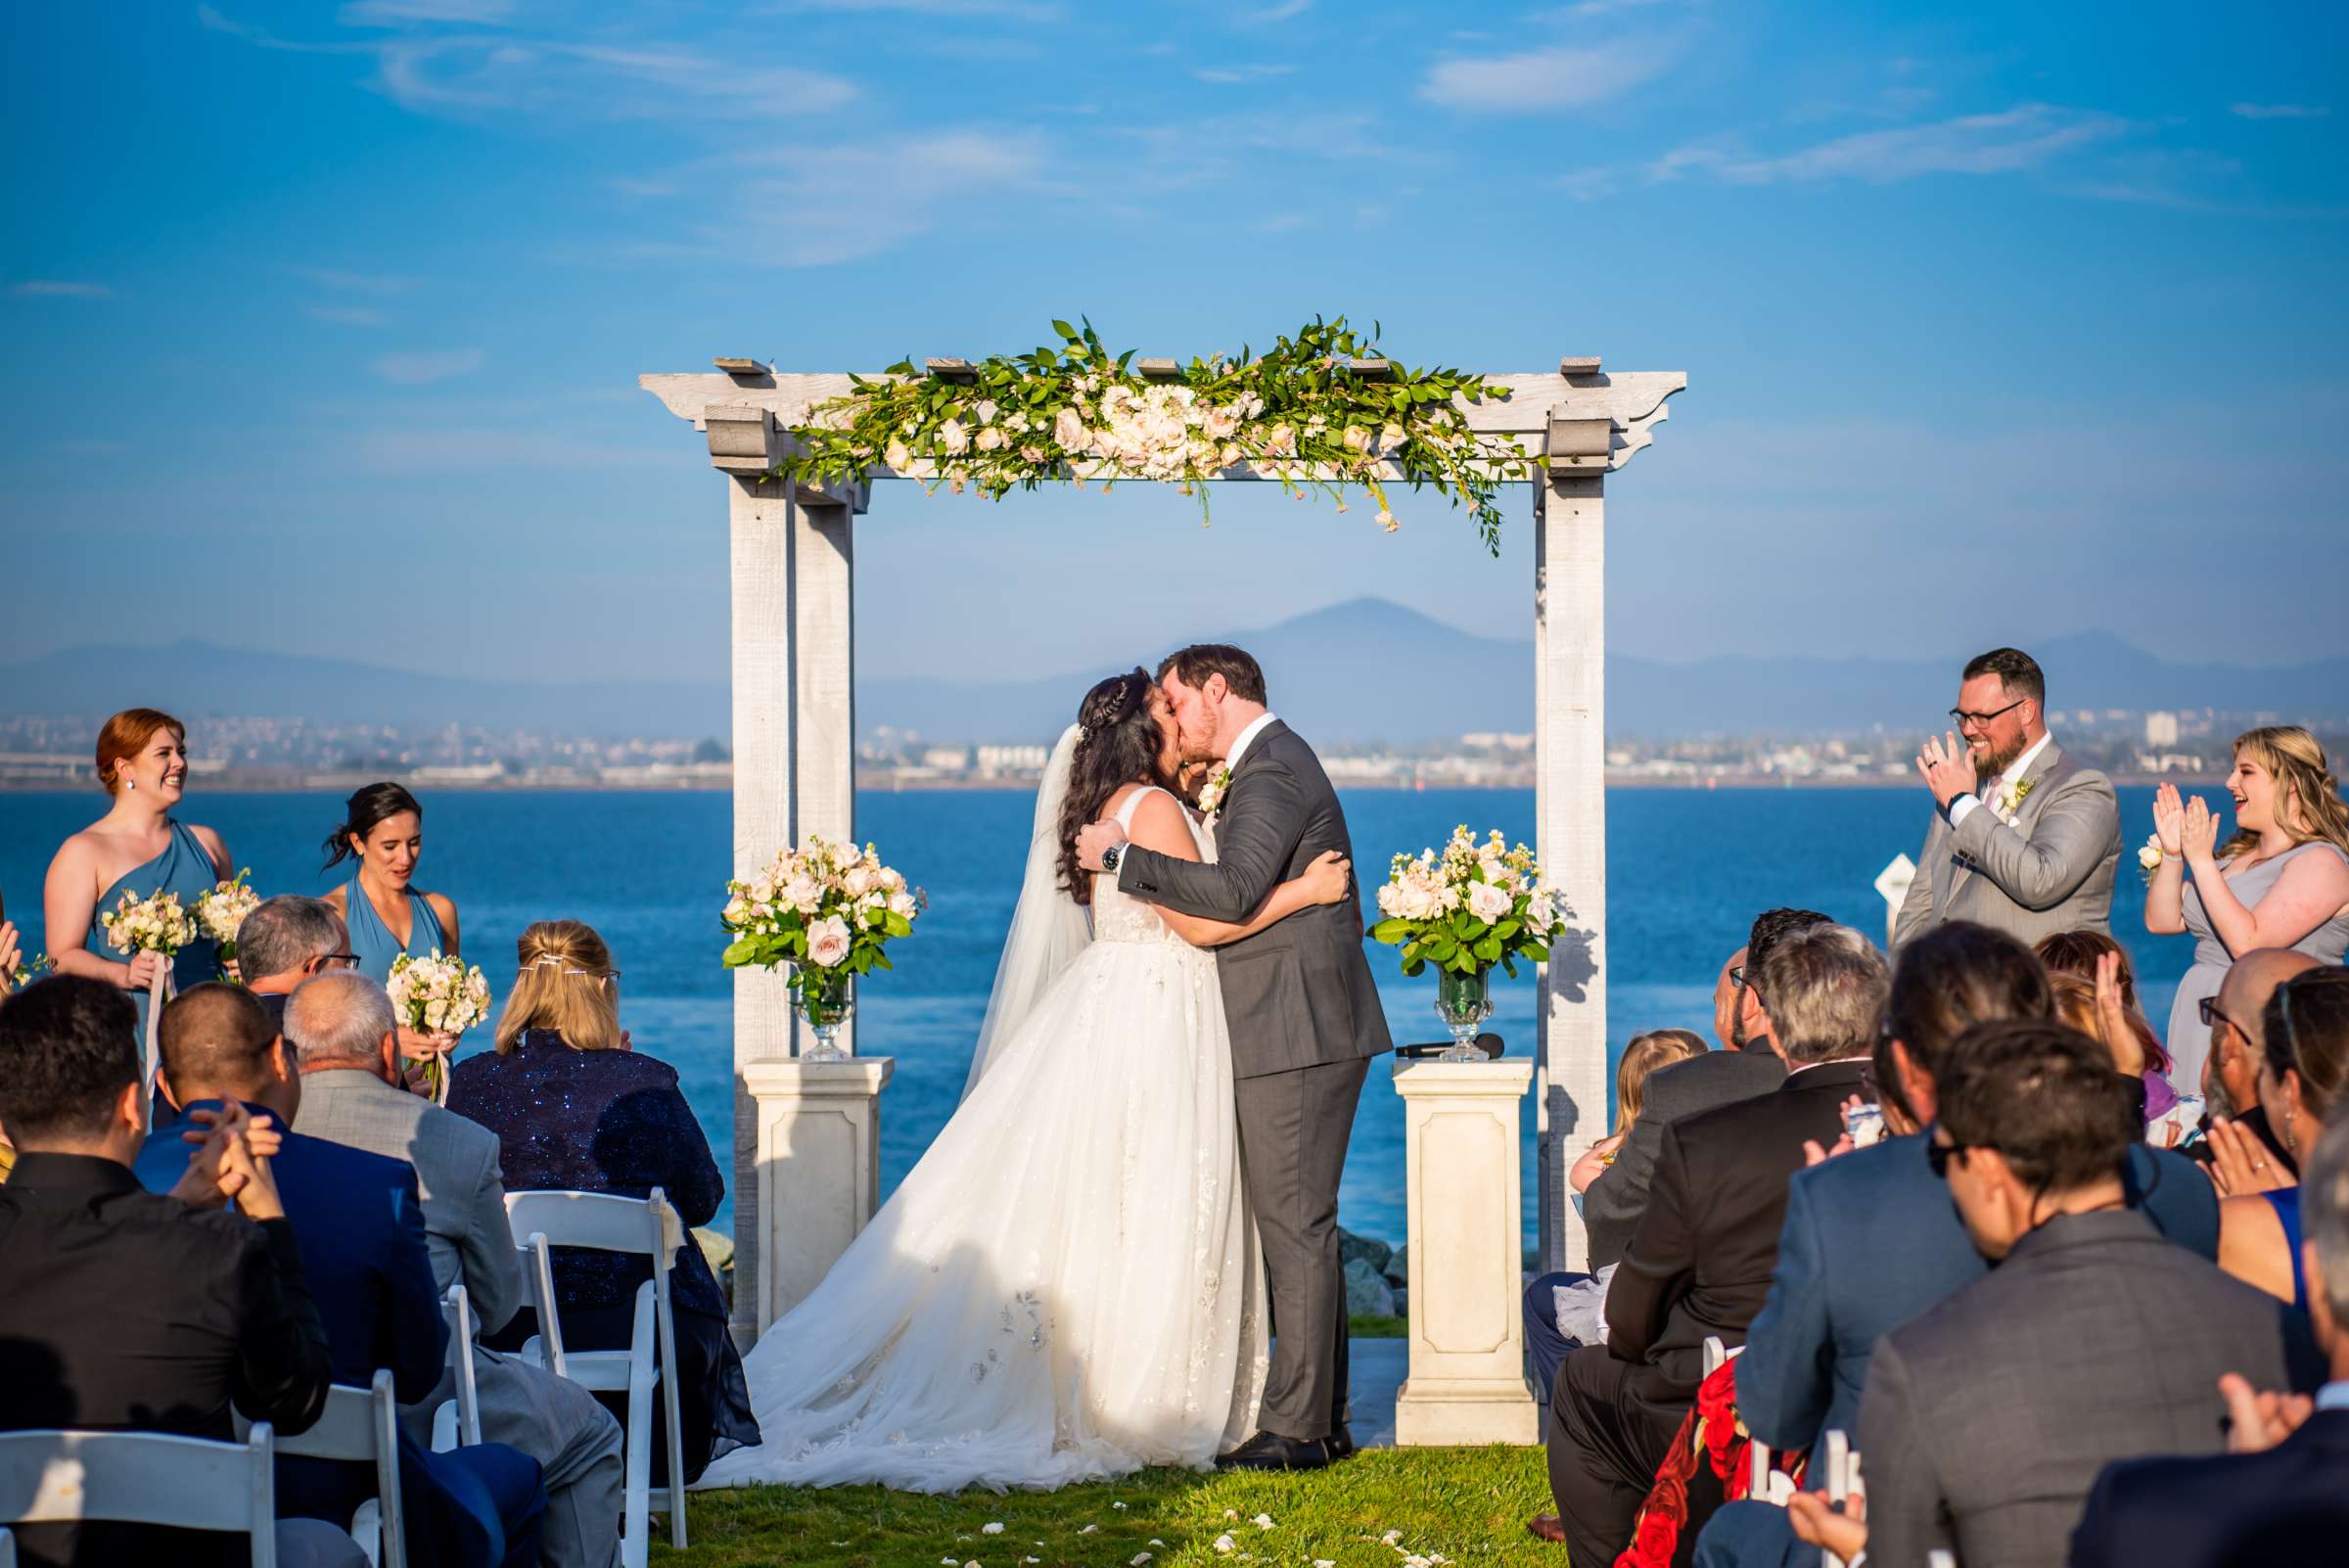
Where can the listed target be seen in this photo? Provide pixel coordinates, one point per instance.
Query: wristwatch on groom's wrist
(1110, 856)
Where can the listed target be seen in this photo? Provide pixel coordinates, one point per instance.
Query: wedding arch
(798, 454)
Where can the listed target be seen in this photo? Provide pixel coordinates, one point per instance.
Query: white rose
(898, 457)
(2149, 857)
(990, 440)
(827, 941)
(803, 893)
(1358, 439)
(859, 881)
(985, 411)
(1390, 899)
(1069, 431)
(901, 904)
(1539, 912)
(1488, 902)
(738, 910)
(762, 891)
(954, 438)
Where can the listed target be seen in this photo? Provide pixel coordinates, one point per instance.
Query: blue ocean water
(1686, 871)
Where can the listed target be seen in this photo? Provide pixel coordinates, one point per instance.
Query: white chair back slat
(648, 1227)
(460, 1362)
(144, 1478)
(1756, 1478)
(8, 1548)
(361, 1426)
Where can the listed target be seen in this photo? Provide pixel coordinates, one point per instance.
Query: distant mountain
(1364, 671)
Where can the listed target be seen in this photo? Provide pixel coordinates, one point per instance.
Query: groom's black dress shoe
(1269, 1450)
(1340, 1444)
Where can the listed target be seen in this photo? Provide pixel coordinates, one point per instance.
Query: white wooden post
(760, 513)
(823, 619)
(1570, 811)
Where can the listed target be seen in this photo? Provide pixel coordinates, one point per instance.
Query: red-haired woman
(138, 847)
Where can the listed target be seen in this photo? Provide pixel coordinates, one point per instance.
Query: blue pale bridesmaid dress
(185, 868)
(373, 941)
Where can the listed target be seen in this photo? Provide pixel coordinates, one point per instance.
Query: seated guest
(2236, 1122)
(124, 1311)
(2105, 1009)
(1870, 1239)
(577, 1109)
(361, 1232)
(2276, 1499)
(1618, 1195)
(2303, 1074)
(1563, 1310)
(1985, 1418)
(1699, 1264)
(346, 1044)
(283, 942)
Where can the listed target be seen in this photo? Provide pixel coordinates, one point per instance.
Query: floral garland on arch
(1298, 412)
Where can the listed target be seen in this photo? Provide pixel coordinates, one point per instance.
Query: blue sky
(322, 323)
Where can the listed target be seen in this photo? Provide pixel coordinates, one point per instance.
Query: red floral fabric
(1708, 1464)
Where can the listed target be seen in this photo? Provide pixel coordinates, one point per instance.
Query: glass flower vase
(821, 998)
(1463, 1001)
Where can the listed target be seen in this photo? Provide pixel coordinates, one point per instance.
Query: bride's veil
(1048, 929)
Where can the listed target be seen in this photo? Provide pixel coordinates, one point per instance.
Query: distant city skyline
(2001, 321)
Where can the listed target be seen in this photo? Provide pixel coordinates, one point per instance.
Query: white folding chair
(1839, 1466)
(143, 1478)
(458, 1421)
(8, 1548)
(650, 1228)
(361, 1425)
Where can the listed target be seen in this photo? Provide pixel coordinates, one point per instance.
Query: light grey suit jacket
(1985, 1420)
(457, 1173)
(2051, 872)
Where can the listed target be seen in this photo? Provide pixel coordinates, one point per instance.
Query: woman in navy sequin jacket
(575, 1109)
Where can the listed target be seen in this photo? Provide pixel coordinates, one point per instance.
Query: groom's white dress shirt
(1963, 807)
(1231, 757)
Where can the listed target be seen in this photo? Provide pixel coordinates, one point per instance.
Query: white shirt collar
(2021, 765)
(1231, 759)
(2334, 1395)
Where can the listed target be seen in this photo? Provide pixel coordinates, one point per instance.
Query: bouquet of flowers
(825, 911)
(438, 995)
(1469, 908)
(153, 924)
(221, 911)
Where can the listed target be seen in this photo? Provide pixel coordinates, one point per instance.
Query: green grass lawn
(1380, 1509)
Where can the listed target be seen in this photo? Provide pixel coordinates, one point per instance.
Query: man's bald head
(217, 1043)
(2250, 980)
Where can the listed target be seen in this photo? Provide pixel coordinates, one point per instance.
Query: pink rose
(827, 941)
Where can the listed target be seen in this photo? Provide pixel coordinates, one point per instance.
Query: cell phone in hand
(1863, 1125)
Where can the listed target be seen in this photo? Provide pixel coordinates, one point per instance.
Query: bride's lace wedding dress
(1066, 1286)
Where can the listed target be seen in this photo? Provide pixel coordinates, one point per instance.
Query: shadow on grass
(1464, 1506)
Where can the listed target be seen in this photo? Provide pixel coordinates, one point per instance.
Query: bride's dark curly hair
(1121, 745)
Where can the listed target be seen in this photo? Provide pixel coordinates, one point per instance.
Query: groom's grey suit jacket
(2052, 871)
(1297, 994)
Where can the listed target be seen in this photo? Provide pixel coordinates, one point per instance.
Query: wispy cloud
(347, 315)
(2279, 111)
(629, 185)
(394, 13)
(2025, 137)
(59, 289)
(418, 368)
(1547, 80)
(1283, 12)
(1232, 76)
(371, 283)
(1008, 10)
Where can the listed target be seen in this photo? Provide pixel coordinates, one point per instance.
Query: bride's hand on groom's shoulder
(1092, 839)
(1328, 878)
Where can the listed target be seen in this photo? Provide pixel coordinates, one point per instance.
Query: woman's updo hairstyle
(367, 808)
(125, 736)
(1120, 746)
(561, 983)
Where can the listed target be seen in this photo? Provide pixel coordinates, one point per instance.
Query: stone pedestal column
(819, 1174)
(1467, 1382)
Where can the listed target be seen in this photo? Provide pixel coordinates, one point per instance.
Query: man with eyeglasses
(2025, 839)
(1986, 1419)
(283, 942)
(2238, 1038)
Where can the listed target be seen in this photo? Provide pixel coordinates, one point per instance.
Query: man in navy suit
(1871, 1238)
(360, 1226)
(2279, 1496)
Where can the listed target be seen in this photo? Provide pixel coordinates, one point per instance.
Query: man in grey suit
(1985, 1420)
(1303, 1016)
(345, 1041)
(2025, 839)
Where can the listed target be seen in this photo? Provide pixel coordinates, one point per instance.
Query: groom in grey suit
(2025, 839)
(1303, 1016)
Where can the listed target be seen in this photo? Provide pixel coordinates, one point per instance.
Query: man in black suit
(2279, 1496)
(1749, 1065)
(1699, 1264)
(128, 1310)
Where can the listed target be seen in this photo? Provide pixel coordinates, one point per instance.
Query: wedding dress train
(1066, 1286)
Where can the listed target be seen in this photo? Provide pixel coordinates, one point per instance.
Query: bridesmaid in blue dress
(138, 847)
(382, 834)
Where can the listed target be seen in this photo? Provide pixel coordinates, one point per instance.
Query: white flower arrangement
(824, 909)
(438, 995)
(2149, 857)
(153, 924)
(1473, 906)
(1072, 413)
(223, 909)
(1210, 793)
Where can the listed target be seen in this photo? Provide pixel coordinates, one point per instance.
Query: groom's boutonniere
(1210, 793)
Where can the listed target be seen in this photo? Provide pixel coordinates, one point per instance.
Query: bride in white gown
(1066, 1286)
